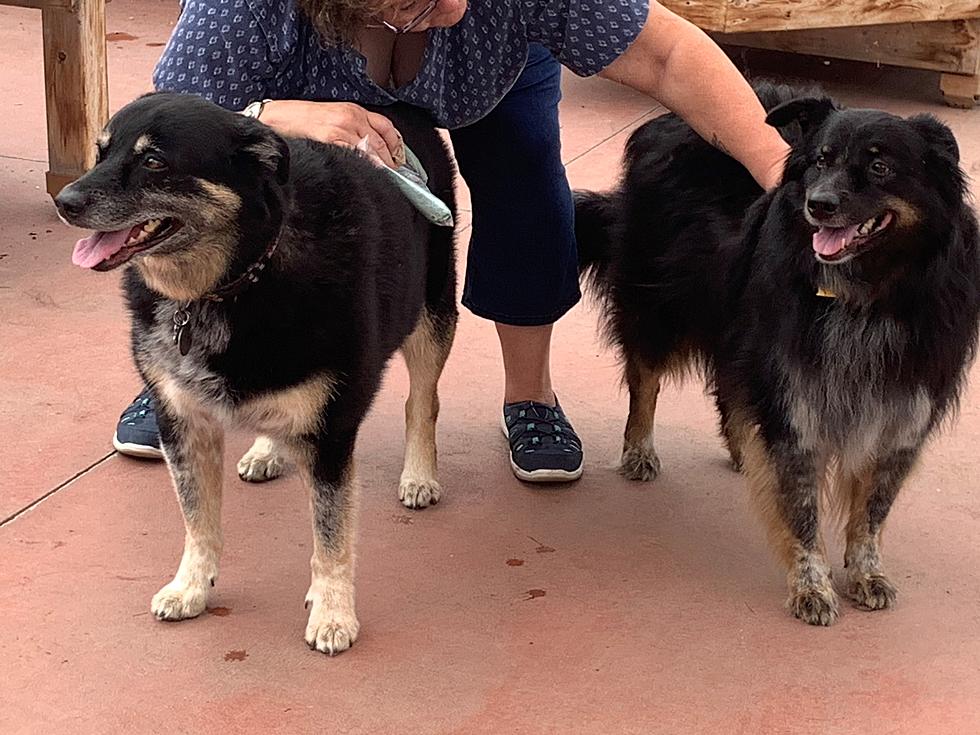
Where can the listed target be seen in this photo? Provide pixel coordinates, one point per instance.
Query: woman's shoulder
(282, 23)
(278, 23)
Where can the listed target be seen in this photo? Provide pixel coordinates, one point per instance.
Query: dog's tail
(596, 220)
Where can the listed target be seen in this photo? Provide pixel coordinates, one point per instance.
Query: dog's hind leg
(869, 496)
(328, 465)
(263, 461)
(784, 481)
(640, 460)
(193, 444)
(425, 351)
(732, 431)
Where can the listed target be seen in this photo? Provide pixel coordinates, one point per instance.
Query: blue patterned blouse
(237, 51)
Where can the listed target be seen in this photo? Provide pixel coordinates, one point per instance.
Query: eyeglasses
(412, 24)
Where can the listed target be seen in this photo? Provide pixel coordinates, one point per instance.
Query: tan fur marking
(188, 274)
(866, 580)
(425, 358)
(221, 196)
(639, 460)
(103, 140)
(811, 594)
(289, 413)
(764, 486)
(180, 401)
(143, 143)
(197, 482)
(853, 493)
(906, 214)
(193, 270)
(283, 415)
(736, 431)
(333, 625)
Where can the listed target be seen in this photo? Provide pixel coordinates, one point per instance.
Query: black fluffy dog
(271, 281)
(834, 318)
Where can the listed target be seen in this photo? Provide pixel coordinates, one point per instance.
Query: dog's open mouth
(834, 243)
(103, 251)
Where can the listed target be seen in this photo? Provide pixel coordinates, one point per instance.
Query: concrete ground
(604, 607)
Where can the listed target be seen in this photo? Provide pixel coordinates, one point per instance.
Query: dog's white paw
(330, 631)
(639, 464)
(419, 493)
(260, 463)
(178, 601)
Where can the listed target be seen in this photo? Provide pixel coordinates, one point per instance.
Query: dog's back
(662, 245)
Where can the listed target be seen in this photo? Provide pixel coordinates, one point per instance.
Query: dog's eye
(880, 168)
(821, 160)
(154, 163)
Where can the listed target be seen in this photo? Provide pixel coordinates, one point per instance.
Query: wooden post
(75, 86)
(960, 90)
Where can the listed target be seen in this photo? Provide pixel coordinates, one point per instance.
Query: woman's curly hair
(337, 21)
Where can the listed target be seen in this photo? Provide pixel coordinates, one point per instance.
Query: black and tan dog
(835, 330)
(269, 283)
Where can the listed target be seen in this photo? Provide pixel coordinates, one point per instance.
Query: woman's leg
(527, 363)
(522, 268)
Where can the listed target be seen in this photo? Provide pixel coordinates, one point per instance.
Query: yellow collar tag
(824, 293)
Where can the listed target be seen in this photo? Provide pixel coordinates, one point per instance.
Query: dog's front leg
(784, 480)
(870, 495)
(332, 625)
(193, 445)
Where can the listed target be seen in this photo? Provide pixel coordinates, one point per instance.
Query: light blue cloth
(412, 180)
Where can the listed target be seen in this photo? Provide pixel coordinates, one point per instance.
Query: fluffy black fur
(297, 355)
(842, 361)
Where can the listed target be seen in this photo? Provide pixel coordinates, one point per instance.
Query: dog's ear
(809, 112)
(942, 157)
(938, 136)
(268, 148)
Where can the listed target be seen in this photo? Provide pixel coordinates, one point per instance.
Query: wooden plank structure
(76, 83)
(938, 35)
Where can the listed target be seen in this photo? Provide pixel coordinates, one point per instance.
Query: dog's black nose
(70, 201)
(823, 204)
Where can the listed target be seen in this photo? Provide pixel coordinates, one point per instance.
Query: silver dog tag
(182, 332)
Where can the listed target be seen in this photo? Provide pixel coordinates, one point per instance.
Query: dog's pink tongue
(92, 250)
(831, 240)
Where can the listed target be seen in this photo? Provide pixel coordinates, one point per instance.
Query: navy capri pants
(522, 267)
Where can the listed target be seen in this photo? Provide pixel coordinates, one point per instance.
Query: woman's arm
(677, 64)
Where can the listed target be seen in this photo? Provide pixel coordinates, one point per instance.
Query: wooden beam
(946, 46)
(708, 15)
(76, 87)
(39, 4)
(787, 15)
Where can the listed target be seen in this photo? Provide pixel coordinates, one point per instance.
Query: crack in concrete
(627, 126)
(36, 502)
(20, 158)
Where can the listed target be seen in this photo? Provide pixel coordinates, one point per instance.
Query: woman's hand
(340, 123)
